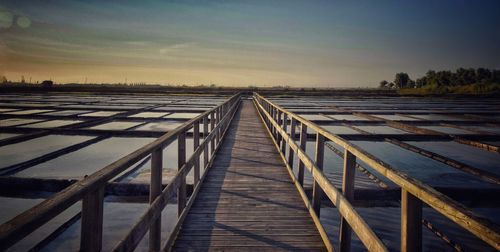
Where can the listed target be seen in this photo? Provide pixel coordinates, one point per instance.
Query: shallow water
(68, 112)
(488, 161)
(440, 117)
(28, 112)
(381, 130)
(2, 110)
(339, 129)
(396, 117)
(87, 160)
(27, 150)
(485, 129)
(20, 205)
(52, 124)
(385, 222)
(16, 121)
(314, 117)
(347, 117)
(7, 135)
(150, 114)
(102, 113)
(160, 126)
(116, 125)
(118, 219)
(447, 130)
(182, 115)
(420, 167)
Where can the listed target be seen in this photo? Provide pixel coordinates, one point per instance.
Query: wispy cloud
(176, 47)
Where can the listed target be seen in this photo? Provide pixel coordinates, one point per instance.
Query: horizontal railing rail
(91, 189)
(321, 183)
(153, 213)
(413, 192)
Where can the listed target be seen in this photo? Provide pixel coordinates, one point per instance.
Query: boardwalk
(248, 201)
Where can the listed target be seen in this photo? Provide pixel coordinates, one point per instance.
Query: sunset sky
(240, 43)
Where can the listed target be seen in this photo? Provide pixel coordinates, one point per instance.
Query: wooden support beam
(279, 121)
(348, 192)
(154, 191)
(196, 144)
(205, 146)
(218, 121)
(292, 135)
(303, 144)
(285, 127)
(212, 126)
(411, 222)
(92, 213)
(181, 160)
(320, 156)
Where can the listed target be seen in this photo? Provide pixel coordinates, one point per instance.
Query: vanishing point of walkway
(248, 201)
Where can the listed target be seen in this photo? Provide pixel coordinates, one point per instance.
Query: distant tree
(421, 82)
(47, 83)
(443, 78)
(462, 76)
(411, 83)
(401, 80)
(483, 75)
(391, 85)
(495, 76)
(383, 84)
(3, 79)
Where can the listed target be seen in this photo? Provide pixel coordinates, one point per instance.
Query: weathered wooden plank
(411, 222)
(348, 191)
(303, 144)
(181, 160)
(196, 143)
(317, 191)
(154, 191)
(92, 213)
(248, 188)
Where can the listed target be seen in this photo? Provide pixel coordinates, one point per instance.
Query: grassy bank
(471, 89)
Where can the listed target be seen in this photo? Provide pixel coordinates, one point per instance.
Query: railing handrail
(23, 224)
(481, 227)
(347, 211)
(135, 234)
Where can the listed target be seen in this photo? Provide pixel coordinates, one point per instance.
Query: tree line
(460, 77)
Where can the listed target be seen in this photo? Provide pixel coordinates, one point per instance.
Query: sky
(239, 43)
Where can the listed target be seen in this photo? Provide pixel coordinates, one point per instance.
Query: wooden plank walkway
(248, 201)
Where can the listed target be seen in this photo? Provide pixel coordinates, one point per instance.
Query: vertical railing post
(217, 122)
(196, 143)
(348, 191)
(274, 119)
(212, 126)
(278, 135)
(92, 210)
(155, 188)
(292, 137)
(269, 120)
(411, 222)
(205, 145)
(285, 127)
(268, 110)
(317, 191)
(303, 144)
(181, 160)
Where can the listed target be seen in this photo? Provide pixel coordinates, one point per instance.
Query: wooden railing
(91, 189)
(413, 192)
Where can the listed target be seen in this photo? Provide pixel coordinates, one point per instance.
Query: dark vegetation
(462, 81)
(48, 86)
